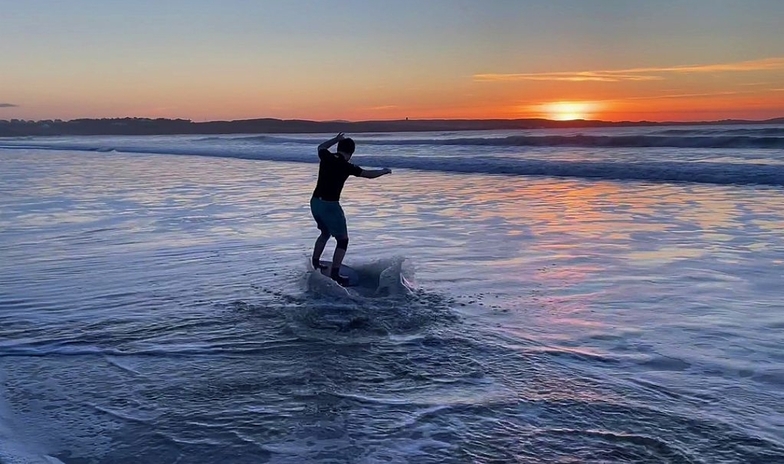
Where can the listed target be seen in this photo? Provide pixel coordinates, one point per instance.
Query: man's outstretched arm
(373, 173)
(330, 142)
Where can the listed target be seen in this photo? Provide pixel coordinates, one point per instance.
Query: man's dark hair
(346, 146)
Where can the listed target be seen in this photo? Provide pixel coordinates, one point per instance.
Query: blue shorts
(329, 217)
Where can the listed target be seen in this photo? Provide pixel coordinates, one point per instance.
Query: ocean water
(608, 295)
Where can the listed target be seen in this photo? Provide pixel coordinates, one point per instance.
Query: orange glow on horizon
(676, 107)
(559, 100)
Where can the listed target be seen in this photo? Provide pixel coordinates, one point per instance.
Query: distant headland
(146, 126)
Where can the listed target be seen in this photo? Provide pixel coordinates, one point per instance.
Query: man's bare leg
(337, 260)
(318, 250)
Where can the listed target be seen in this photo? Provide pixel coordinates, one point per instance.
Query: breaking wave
(299, 149)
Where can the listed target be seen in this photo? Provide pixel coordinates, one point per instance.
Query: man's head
(346, 148)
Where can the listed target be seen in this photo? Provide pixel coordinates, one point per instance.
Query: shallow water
(159, 308)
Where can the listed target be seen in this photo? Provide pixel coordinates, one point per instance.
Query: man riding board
(334, 169)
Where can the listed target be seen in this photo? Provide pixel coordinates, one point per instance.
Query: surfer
(334, 169)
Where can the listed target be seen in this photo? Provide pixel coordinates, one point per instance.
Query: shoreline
(147, 126)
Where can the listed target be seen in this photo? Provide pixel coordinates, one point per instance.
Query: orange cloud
(637, 74)
(685, 95)
(383, 108)
(582, 76)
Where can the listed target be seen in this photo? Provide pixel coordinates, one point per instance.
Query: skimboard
(345, 271)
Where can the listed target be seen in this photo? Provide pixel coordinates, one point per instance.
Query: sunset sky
(372, 59)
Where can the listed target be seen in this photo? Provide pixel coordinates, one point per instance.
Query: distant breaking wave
(772, 138)
(602, 141)
(720, 173)
(756, 132)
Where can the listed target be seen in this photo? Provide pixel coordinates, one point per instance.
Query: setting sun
(566, 111)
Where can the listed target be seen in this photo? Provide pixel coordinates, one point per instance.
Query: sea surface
(566, 296)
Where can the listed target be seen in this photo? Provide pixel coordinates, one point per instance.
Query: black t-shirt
(333, 172)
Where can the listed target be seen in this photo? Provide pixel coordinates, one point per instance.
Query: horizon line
(346, 121)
